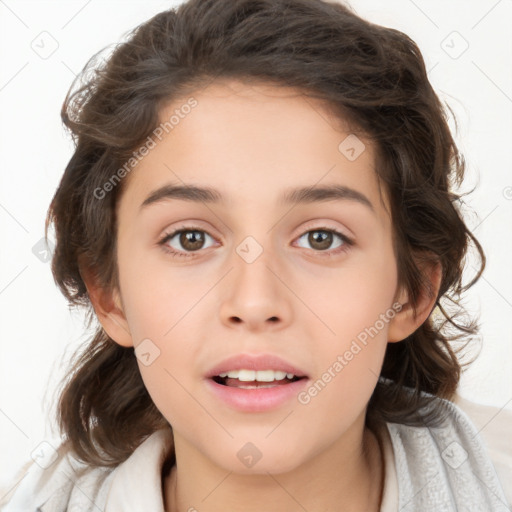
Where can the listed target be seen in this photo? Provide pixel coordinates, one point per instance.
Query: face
(311, 281)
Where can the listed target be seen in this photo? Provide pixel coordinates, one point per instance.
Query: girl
(259, 213)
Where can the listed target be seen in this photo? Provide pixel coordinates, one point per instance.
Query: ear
(109, 310)
(405, 322)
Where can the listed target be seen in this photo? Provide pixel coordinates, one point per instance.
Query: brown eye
(323, 239)
(183, 241)
(191, 240)
(320, 240)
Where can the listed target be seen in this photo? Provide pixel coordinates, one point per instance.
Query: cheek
(163, 381)
(158, 297)
(351, 362)
(167, 362)
(357, 305)
(357, 296)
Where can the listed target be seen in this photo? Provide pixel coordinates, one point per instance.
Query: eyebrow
(300, 195)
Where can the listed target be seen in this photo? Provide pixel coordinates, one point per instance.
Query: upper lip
(255, 362)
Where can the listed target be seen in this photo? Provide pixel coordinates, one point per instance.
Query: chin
(251, 460)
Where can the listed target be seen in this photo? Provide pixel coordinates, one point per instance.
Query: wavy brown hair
(370, 76)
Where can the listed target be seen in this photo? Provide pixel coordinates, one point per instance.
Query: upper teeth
(259, 375)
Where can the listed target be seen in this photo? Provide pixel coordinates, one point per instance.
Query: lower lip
(259, 399)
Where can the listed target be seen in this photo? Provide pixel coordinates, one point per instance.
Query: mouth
(255, 382)
(251, 379)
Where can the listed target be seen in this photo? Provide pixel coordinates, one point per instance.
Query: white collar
(137, 484)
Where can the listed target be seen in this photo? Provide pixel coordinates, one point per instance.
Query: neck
(346, 476)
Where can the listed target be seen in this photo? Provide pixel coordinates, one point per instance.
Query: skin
(251, 142)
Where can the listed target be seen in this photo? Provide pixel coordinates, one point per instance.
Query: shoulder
(445, 467)
(494, 425)
(56, 482)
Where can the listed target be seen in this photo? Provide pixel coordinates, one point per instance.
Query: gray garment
(444, 469)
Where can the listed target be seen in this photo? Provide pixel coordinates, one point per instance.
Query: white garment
(443, 469)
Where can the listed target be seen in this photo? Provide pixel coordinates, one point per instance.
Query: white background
(37, 332)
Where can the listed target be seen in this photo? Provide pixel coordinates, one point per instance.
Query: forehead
(242, 138)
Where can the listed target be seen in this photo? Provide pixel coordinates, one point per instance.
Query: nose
(255, 296)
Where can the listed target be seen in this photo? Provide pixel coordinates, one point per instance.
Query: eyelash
(347, 242)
